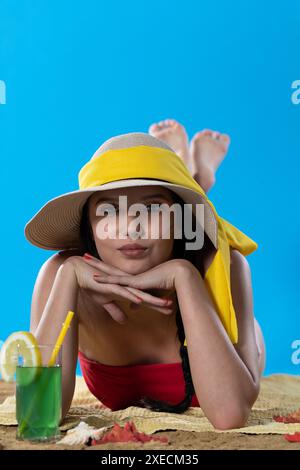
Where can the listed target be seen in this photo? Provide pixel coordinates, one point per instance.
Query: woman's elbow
(235, 414)
(231, 417)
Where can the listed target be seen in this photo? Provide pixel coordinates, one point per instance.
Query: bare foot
(207, 149)
(174, 134)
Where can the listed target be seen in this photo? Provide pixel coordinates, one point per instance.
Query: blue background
(77, 73)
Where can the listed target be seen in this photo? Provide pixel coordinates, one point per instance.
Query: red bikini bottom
(118, 387)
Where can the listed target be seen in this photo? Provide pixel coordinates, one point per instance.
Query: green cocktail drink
(38, 402)
(38, 394)
(38, 371)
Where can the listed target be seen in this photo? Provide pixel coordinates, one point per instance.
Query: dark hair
(179, 251)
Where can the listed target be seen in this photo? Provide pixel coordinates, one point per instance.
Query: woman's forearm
(63, 297)
(223, 384)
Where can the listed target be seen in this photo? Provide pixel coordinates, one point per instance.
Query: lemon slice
(20, 343)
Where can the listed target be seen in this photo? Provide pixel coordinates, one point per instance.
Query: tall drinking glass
(39, 397)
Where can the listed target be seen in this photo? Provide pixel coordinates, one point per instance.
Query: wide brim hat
(128, 160)
(139, 159)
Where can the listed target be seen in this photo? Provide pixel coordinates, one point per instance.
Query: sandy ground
(178, 440)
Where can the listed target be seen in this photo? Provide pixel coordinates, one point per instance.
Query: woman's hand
(107, 294)
(161, 277)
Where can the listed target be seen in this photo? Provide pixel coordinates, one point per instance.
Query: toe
(153, 128)
(168, 123)
(225, 138)
(207, 132)
(174, 124)
(215, 135)
(203, 133)
(196, 136)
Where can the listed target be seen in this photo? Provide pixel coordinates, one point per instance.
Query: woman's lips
(133, 250)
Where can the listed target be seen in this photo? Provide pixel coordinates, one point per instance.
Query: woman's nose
(134, 227)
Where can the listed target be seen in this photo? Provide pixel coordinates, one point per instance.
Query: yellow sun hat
(139, 159)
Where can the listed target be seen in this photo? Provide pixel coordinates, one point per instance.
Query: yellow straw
(60, 338)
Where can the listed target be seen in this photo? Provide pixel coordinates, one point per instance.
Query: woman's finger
(149, 298)
(133, 281)
(119, 316)
(163, 310)
(127, 280)
(97, 263)
(139, 293)
(119, 291)
(115, 312)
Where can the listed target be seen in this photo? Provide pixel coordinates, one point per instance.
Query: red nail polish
(87, 256)
(139, 297)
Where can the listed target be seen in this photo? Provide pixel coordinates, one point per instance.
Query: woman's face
(123, 228)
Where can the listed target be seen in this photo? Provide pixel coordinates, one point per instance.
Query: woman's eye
(155, 207)
(110, 210)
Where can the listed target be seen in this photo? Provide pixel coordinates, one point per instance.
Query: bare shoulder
(239, 262)
(53, 263)
(241, 290)
(242, 296)
(44, 282)
(241, 287)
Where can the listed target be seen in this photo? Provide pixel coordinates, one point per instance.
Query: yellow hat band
(137, 162)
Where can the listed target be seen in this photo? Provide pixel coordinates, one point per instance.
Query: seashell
(81, 434)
